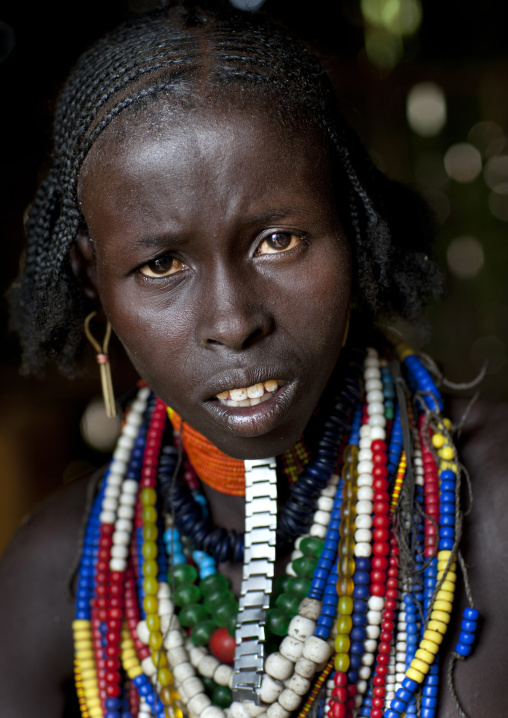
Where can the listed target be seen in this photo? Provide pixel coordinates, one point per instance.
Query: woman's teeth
(251, 395)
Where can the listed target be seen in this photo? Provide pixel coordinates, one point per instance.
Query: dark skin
(226, 307)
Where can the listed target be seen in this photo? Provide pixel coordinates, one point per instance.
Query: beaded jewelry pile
(355, 625)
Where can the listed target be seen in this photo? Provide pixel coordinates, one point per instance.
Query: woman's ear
(82, 257)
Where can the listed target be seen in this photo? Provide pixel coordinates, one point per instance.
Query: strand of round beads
(346, 568)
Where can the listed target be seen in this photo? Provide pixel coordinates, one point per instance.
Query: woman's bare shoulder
(483, 448)
(36, 608)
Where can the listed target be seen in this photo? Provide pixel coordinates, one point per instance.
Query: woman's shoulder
(36, 605)
(483, 449)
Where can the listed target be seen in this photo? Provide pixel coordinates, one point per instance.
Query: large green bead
(304, 566)
(222, 697)
(281, 583)
(187, 593)
(312, 546)
(212, 583)
(216, 599)
(182, 573)
(209, 684)
(192, 614)
(277, 622)
(231, 624)
(288, 603)
(224, 611)
(202, 631)
(299, 585)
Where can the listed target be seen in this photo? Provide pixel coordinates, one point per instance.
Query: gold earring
(104, 365)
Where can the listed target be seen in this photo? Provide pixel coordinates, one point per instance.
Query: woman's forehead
(213, 123)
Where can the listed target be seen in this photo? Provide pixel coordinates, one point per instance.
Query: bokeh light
(465, 257)
(426, 109)
(463, 162)
(382, 48)
(97, 428)
(488, 137)
(400, 17)
(493, 349)
(498, 205)
(496, 174)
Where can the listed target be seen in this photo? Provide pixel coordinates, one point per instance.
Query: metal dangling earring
(104, 365)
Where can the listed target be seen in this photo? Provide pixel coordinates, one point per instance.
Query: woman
(208, 201)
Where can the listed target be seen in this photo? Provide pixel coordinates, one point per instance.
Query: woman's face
(221, 263)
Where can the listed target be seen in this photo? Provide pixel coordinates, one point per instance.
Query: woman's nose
(232, 313)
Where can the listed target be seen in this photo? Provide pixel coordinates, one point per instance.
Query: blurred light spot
(463, 162)
(496, 147)
(382, 48)
(400, 17)
(465, 257)
(498, 205)
(439, 204)
(430, 171)
(489, 347)
(426, 109)
(97, 429)
(249, 5)
(484, 134)
(496, 174)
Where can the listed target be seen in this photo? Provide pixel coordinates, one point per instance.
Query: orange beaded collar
(220, 471)
(214, 468)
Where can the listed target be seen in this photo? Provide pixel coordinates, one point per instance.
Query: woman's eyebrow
(275, 214)
(154, 241)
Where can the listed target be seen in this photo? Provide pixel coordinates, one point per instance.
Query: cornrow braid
(168, 52)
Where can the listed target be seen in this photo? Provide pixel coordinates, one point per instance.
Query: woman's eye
(162, 267)
(278, 242)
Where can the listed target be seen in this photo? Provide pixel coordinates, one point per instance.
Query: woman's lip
(253, 421)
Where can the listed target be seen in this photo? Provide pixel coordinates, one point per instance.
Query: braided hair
(171, 50)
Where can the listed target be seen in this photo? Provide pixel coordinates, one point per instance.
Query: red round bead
(376, 713)
(377, 702)
(113, 690)
(383, 658)
(378, 576)
(381, 670)
(381, 507)
(381, 521)
(380, 471)
(351, 690)
(379, 691)
(222, 645)
(340, 693)
(378, 445)
(338, 710)
(381, 535)
(340, 679)
(379, 681)
(387, 625)
(381, 548)
(383, 649)
(377, 589)
(380, 484)
(379, 563)
(107, 529)
(113, 650)
(385, 636)
(389, 612)
(391, 593)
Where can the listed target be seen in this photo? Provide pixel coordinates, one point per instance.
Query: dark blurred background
(425, 84)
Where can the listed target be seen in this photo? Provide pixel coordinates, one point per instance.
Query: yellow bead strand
(85, 665)
(346, 561)
(401, 472)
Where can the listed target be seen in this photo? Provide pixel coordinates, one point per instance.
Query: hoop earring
(104, 365)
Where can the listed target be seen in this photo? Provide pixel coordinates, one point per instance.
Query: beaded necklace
(355, 624)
